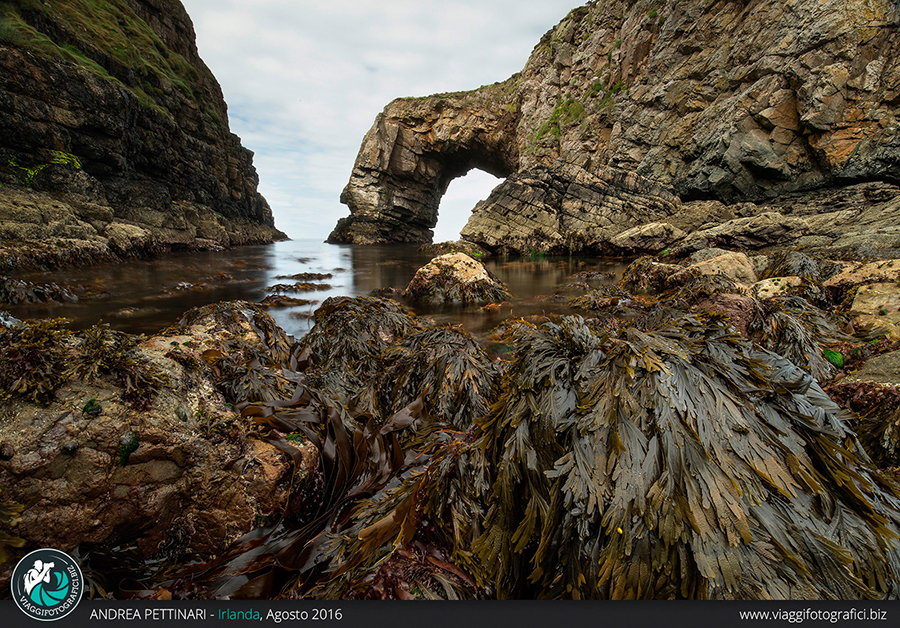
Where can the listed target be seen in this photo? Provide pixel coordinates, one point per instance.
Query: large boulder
(132, 440)
(455, 278)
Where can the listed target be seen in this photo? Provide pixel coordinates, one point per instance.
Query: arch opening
(456, 204)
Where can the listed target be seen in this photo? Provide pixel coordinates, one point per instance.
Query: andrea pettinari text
(226, 614)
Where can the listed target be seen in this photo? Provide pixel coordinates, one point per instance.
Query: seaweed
(878, 425)
(33, 355)
(444, 366)
(600, 298)
(679, 463)
(355, 462)
(349, 333)
(646, 275)
(15, 291)
(298, 287)
(9, 518)
(797, 264)
(104, 351)
(799, 331)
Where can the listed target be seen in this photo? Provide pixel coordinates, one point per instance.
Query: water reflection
(147, 295)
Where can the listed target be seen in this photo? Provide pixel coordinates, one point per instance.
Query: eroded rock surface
(726, 108)
(455, 279)
(178, 474)
(125, 135)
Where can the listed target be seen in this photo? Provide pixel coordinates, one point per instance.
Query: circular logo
(47, 584)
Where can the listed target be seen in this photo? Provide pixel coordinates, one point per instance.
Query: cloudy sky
(304, 81)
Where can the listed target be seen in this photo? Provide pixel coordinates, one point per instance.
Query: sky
(304, 81)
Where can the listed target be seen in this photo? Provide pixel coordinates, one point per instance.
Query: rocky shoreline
(221, 425)
(635, 128)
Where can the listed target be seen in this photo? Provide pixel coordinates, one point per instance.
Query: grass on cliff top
(91, 30)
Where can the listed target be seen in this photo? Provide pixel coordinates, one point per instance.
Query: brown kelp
(799, 331)
(349, 333)
(106, 352)
(678, 463)
(34, 356)
(646, 275)
(355, 462)
(9, 518)
(446, 367)
(878, 425)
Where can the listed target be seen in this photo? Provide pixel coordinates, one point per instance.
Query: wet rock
(15, 291)
(186, 457)
(855, 273)
(756, 232)
(647, 275)
(8, 320)
(878, 304)
(565, 208)
(7, 452)
(705, 254)
(281, 300)
(775, 286)
(733, 265)
(882, 369)
(455, 278)
(742, 310)
(651, 238)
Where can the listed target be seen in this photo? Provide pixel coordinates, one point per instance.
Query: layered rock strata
(738, 103)
(111, 114)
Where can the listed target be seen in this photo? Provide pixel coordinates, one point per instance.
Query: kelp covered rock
(455, 278)
(348, 335)
(647, 275)
(678, 463)
(14, 291)
(445, 366)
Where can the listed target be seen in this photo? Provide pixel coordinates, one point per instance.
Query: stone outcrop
(180, 475)
(748, 108)
(116, 120)
(455, 279)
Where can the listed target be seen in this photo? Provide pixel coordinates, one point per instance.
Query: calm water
(147, 295)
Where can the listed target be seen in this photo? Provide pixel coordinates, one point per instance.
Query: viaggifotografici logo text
(47, 584)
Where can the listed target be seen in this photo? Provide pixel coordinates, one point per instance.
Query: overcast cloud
(304, 81)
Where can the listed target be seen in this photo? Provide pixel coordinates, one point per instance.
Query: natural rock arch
(666, 121)
(409, 157)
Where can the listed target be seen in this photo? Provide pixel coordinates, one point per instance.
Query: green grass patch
(90, 30)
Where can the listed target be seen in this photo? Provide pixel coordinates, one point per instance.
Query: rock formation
(637, 113)
(455, 279)
(114, 134)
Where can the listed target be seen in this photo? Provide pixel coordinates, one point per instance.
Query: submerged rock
(455, 279)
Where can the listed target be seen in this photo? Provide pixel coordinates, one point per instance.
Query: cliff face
(734, 103)
(114, 134)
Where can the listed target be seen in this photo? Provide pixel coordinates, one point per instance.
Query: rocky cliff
(656, 118)
(114, 136)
